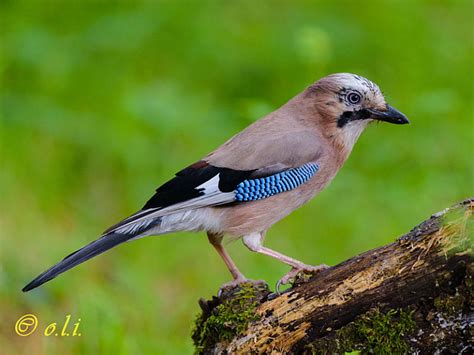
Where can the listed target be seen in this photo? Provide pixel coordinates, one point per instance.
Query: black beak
(390, 115)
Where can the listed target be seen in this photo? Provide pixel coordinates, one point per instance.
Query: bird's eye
(354, 98)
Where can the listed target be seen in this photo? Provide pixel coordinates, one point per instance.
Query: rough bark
(412, 295)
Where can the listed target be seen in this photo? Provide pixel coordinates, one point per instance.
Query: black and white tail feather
(97, 247)
(200, 185)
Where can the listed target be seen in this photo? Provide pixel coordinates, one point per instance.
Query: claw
(277, 287)
(293, 273)
(230, 285)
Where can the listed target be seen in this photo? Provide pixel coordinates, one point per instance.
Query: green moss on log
(375, 331)
(229, 318)
(383, 333)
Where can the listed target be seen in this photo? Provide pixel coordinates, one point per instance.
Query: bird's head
(346, 103)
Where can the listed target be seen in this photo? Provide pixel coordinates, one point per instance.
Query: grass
(101, 102)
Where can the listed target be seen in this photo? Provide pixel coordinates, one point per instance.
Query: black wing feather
(184, 186)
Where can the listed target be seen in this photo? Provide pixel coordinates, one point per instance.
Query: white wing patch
(210, 185)
(212, 196)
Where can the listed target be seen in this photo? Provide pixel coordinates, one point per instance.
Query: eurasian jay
(257, 177)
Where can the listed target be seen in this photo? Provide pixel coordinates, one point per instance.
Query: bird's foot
(296, 271)
(234, 285)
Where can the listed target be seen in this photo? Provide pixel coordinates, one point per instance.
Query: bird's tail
(97, 247)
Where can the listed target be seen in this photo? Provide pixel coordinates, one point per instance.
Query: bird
(257, 177)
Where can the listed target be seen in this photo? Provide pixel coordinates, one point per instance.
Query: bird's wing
(210, 186)
(208, 183)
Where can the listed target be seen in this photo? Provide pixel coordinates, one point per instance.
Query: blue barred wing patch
(257, 189)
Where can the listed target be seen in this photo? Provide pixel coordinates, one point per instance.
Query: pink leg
(254, 242)
(238, 277)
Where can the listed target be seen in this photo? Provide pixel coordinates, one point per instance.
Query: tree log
(413, 295)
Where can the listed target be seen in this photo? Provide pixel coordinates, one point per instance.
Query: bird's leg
(254, 242)
(238, 277)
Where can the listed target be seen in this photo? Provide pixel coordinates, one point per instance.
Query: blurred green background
(101, 102)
